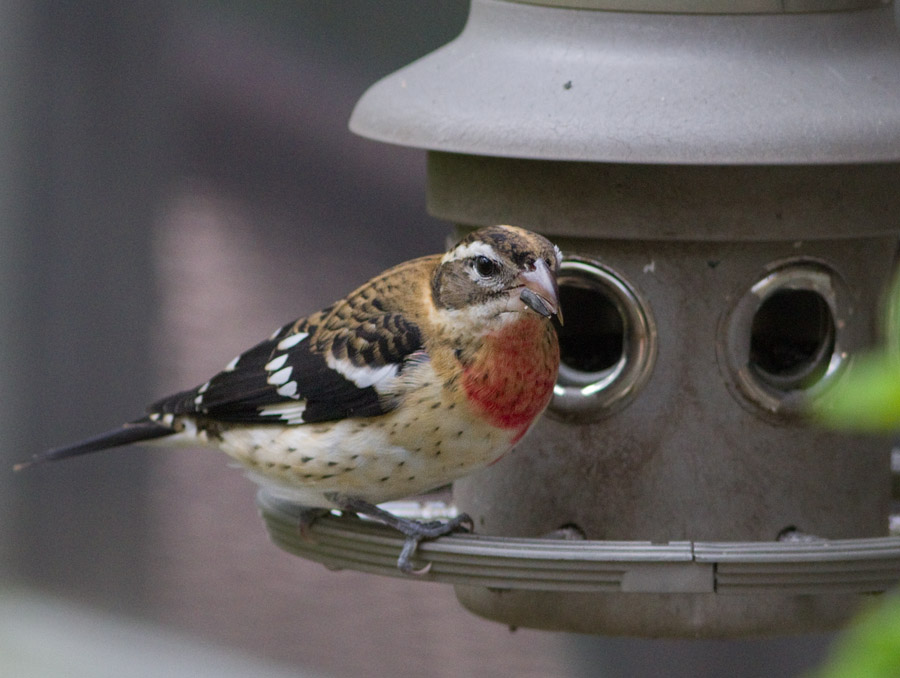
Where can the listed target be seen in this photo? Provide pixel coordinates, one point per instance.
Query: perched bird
(431, 370)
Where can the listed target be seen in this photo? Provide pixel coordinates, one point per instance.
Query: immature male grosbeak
(429, 371)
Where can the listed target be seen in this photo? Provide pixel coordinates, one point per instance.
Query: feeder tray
(565, 565)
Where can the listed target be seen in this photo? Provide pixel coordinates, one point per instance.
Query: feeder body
(731, 180)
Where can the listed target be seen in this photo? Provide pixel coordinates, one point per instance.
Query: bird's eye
(484, 266)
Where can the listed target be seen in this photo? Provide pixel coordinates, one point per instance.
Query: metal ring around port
(765, 394)
(588, 394)
(722, 568)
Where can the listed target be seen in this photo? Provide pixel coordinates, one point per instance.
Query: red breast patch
(511, 380)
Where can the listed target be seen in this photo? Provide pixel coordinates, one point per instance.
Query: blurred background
(176, 181)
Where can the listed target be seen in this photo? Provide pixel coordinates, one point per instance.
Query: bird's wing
(341, 362)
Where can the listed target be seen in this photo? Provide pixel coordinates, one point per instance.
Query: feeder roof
(552, 83)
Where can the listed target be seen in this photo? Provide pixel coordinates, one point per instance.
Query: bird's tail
(134, 432)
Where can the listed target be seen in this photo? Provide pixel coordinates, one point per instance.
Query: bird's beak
(539, 291)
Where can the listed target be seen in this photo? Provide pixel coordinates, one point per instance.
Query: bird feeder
(722, 177)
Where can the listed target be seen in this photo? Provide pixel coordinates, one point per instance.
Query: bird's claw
(404, 562)
(417, 532)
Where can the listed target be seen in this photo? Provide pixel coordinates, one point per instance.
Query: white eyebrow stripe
(473, 249)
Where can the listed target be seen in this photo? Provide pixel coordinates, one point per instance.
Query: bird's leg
(413, 530)
(306, 518)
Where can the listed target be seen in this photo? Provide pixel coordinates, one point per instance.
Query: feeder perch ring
(506, 563)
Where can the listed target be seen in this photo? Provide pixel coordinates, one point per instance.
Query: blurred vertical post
(11, 47)
(85, 150)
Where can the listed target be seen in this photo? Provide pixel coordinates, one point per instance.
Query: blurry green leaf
(865, 398)
(870, 648)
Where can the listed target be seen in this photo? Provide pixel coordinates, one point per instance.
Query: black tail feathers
(133, 432)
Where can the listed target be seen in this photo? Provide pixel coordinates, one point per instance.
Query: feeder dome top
(767, 86)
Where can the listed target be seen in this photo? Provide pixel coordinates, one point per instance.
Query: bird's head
(498, 272)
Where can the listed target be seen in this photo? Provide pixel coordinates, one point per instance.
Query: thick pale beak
(540, 292)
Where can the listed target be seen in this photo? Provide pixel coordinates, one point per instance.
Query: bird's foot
(417, 532)
(414, 531)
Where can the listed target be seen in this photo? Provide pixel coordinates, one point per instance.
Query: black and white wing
(320, 369)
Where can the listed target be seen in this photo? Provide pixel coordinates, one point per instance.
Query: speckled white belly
(404, 452)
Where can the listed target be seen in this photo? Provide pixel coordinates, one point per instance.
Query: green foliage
(870, 648)
(867, 398)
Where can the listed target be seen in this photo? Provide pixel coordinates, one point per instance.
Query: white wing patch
(291, 341)
(166, 419)
(280, 377)
(276, 364)
(291, 413)
(364, 376)
(198, 401)
(288, 390)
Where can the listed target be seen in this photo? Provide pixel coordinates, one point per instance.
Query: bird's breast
(510, 381)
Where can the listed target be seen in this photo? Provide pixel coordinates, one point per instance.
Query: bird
(427, 372)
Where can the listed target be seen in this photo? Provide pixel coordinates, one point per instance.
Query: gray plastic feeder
(644, 81)
(723, 178)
